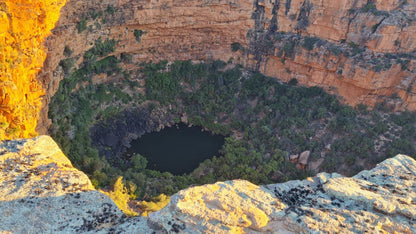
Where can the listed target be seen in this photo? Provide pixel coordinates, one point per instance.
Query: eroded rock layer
(41, 192)
(24, 25)
(362, 51)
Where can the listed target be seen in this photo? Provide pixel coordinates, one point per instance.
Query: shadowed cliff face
(360, 51)
(24, 25)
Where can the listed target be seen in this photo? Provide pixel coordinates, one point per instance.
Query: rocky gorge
(253, 70)
(360, 50)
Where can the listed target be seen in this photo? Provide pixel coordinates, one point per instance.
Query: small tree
(138, 162)
(120, 196)
(138, 34)
(155, 204)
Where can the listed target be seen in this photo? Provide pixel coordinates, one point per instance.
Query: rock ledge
(40, 191)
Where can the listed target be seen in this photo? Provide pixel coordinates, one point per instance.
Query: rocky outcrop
(41, 192)
(24, 25)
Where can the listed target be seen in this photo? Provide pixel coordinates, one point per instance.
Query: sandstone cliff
(359, 50)
(41, 192)
(24, 25)
(362, 51)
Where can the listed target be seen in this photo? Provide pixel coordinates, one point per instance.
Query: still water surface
(178, 149)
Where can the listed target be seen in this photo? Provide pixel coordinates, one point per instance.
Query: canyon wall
(362, 51)
(41, 192)
(172, 30)
(24, 25)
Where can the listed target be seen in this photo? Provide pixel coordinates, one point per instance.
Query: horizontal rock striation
(171, 30)
(365, 51)
(362, 51)
(41, 192)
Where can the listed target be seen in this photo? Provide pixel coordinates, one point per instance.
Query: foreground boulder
(41, 192)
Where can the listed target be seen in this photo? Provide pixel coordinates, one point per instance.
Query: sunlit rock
(40, 191)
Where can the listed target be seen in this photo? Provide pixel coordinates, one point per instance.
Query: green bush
(67, 65)
(369, 7)
(110, 10)
(289, 48)
(309, 42)
(335, 50)
(138, 34)
(236, 47)
(82, 25)
(119, 194)
(100, 49)
(293, 82)
(67, 51)
(155, 204)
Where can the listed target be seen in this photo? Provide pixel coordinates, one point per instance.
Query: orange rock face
(376, 30)
(173, 30)
(204, 30)
(24, 25)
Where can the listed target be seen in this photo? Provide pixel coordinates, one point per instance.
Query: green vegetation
(375, 26)
(272, 120)
(67, 51)
(309, 42)
(110, 10)
(371, 7)
(100, 49)
(356, 49)
(120, 195)
(335, 50)
(162, 87)
(236, 47)
(289, 48)
(74, 111)
(138, 34)
(155, 204)
(82, 25)
(67, 65)
(293, 82)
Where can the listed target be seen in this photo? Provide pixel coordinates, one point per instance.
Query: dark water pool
(178, 149)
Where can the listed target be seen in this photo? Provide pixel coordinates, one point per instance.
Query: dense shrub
(138, 34)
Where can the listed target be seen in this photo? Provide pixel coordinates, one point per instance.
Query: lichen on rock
(41, 192)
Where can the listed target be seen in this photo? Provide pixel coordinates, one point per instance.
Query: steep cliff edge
(40, 191)
(24, 25)
(360, 50)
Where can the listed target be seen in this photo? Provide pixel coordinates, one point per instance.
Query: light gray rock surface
(41, 192)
